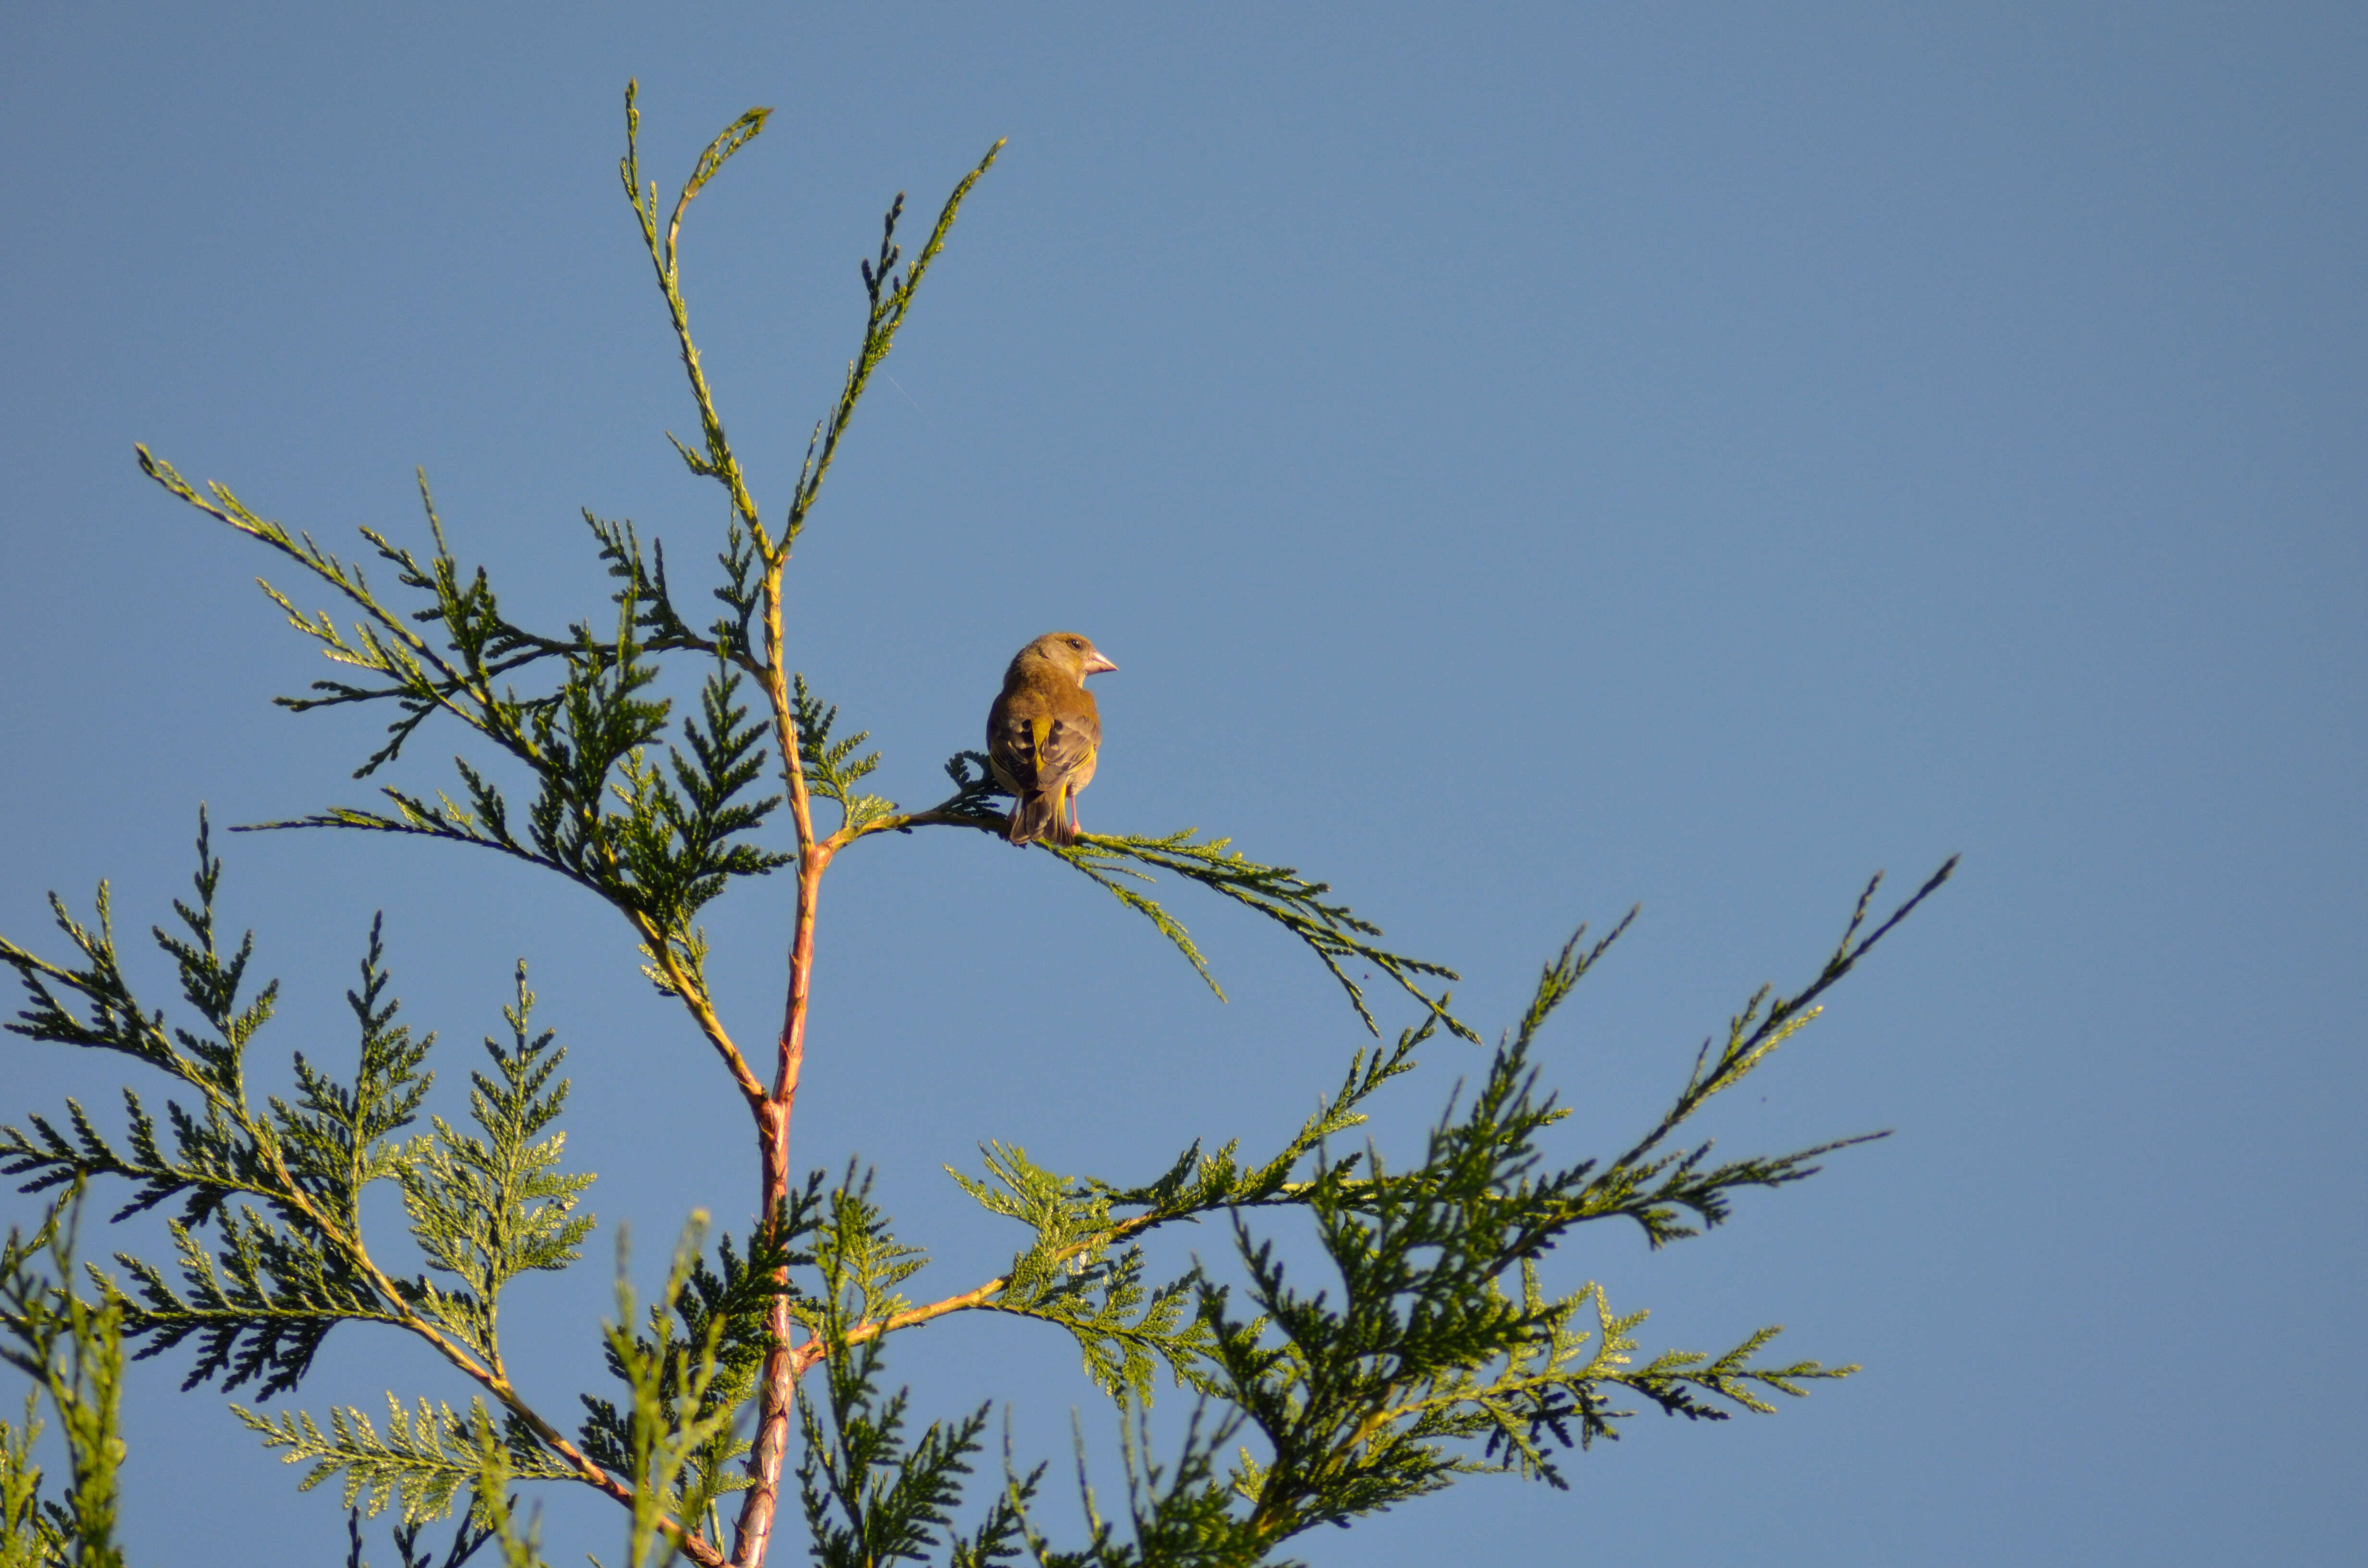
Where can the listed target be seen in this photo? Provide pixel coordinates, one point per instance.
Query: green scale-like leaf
(832, 768)
(1075, 1276)
(427, 1457)
(486, 1209)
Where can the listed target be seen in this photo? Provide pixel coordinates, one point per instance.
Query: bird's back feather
(1043, 735)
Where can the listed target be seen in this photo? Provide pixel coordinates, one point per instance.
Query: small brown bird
(1043, 734)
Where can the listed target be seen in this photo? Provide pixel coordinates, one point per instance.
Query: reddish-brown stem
(761, 1508)
(770, 1108)
(782, 1364)
(818, 859)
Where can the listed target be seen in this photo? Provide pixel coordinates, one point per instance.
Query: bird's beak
(1097, 665)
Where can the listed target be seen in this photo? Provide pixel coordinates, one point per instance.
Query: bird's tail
(1038, 815)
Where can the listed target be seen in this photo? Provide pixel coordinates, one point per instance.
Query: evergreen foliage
(1422, 1344)
(70, 1347)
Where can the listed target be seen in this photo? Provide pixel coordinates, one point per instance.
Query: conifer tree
(751, 1395)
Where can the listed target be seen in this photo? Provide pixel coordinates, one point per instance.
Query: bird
(1045, 735)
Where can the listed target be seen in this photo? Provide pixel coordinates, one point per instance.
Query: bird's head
(1072, 653)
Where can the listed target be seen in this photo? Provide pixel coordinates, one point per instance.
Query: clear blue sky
(1524, 463)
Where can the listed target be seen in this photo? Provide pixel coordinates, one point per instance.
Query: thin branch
(1747, 1044)
(891, 299)
(693, 991)
(719, 463)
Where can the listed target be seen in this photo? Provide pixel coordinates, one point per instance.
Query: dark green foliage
(338, 1138)
(1374, 1396)
(870, 1494)
(1332, 931)
(115, 1022)
(685, 1401)
(869, 1497)
(1652, 1188)
(726, 1306)
(975, 789)
(467, 1541)
(1181, 1515)
(262, 1315)
(1432, 1349)
(832, 767)
(1329, 930)
(280, 1188)
(657, 841)
(288, 1272)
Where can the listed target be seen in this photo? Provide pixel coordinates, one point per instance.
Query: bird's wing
(1037, 737)
(1064, 744)
(1035, 748)
(1011, 743)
